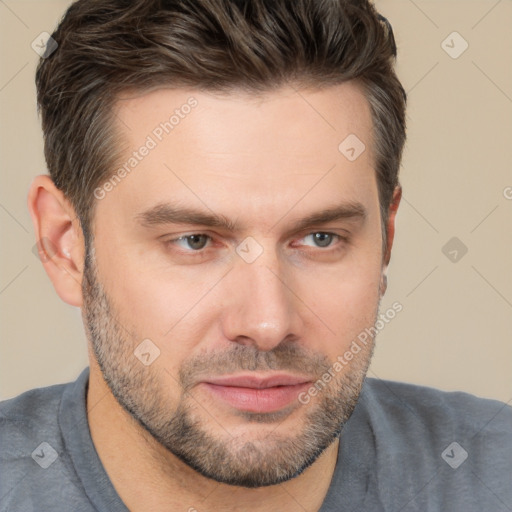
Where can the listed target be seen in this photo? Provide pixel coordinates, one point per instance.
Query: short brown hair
(106, 47)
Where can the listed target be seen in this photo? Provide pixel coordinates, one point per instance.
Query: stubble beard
(182, 429)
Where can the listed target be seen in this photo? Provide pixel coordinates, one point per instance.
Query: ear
(390, 231)
(59, 238)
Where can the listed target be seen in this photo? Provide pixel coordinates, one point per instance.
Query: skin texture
(264, 163)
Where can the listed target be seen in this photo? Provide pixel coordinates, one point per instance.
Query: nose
(262, 309)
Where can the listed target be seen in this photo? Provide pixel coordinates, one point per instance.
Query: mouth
(251, 393)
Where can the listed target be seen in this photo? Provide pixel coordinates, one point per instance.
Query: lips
(252, 381)
(252, 393)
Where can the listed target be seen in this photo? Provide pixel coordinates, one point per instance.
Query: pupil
(323, 239)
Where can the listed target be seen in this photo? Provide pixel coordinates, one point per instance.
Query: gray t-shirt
(406, 448)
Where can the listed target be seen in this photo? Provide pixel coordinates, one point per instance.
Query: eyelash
(331, 248)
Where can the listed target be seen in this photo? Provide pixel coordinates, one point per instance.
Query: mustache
(287, 357)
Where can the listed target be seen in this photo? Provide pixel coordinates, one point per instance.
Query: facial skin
(264, 164)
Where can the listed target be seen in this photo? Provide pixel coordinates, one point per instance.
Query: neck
(148, 477)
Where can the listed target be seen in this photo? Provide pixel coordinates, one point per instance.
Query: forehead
(243, 150)
(305, 114)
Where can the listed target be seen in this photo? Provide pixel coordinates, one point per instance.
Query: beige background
(455, 328)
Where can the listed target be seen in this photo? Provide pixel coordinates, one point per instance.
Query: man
(221, 206)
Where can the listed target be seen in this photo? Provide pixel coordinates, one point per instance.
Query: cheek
(158, 306)
(169, 307)
(149, 299)
(343, 303)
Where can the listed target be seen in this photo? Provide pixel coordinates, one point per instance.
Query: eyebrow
(165, 213)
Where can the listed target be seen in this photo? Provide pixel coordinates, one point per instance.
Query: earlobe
(383, 283)
(59, 238)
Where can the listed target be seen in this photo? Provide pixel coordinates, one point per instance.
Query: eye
(322, 238)
(196, 241)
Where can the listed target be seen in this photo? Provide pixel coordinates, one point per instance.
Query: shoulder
(33, 456)
(28, 420)
(30, 409)
(433, 409)
(437, 450)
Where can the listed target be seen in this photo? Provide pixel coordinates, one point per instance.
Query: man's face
(263, 294)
